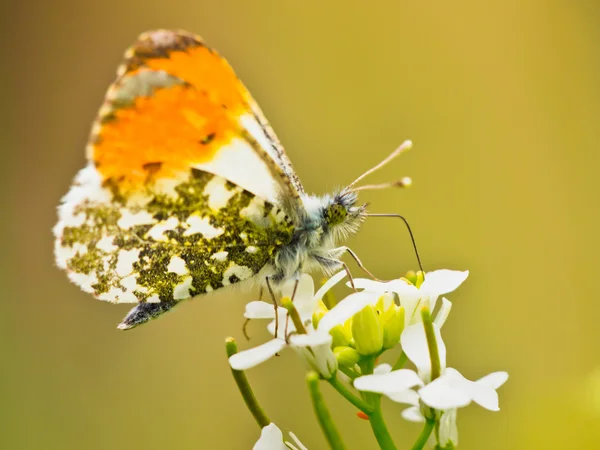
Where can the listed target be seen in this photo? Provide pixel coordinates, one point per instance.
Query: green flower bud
(346, 356)
(367, 331)
(411, 277)
(414, 278)
(341, 336)
(393, 325)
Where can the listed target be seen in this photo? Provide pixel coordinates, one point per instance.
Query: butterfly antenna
(412, 237)
(401, 183)
(406, 145)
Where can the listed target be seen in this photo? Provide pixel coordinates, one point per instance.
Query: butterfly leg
(287, 316)
(270, 289)
(143, 312)
(357, 260)
(330, 264)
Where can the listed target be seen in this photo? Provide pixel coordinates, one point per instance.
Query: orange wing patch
(175, 103)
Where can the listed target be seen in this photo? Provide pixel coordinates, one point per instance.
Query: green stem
(378, 424)
(434, 354)
(244, 386)
(342, 389)
(323, 416)
(376, 418)
(348, 372)
(367, 365)
(402, 359)
(424, 436)
(286, 302)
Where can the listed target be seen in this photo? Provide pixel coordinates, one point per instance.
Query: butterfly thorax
(324, 222)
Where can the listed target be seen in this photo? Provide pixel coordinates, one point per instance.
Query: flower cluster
(342, 344)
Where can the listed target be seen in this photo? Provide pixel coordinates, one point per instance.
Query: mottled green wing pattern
(181, 237)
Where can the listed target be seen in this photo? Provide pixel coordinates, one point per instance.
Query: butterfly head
(341, 213)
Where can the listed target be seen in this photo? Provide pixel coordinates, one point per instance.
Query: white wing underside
(239, 162)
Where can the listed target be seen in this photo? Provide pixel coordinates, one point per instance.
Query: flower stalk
(286, 302)
(424, 436)
(380, 430)
(384, 439)
(434, 354)
(323, 416)
(401, 361)
(245, 389)
(345, 392)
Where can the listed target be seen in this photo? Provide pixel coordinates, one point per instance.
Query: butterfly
(187, 189)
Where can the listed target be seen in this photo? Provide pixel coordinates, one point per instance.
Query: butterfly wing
(177, 104)
(187, 190)
(207, 234)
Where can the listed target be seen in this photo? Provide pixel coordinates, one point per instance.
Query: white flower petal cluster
(438, 399)
(314, 346)
(271, 438)
(365, 324)
(436, 283)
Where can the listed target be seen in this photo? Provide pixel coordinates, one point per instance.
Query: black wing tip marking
(159, 44)
(144, 312)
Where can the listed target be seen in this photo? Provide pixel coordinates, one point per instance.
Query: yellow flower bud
(341, 336)
(346, 356)
(320, 311)
(411, 277)
(393, 325)
(420, 279)
(367, 331)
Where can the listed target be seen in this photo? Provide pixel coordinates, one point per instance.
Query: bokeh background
(502, 101)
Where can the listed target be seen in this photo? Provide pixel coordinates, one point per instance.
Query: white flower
(436, 283)
(271, 438)
(314, 346)
(446, 393)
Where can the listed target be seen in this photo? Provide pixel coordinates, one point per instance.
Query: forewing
(176, 104)
(170, 242)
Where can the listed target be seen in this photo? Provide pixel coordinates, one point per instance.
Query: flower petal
(330, 284)
(299, 445)
(382, 368)
(442, 315)
(271, 438)
(411, 313)
(448, 431)
(346, 309)
(381, 286)
(443, 281)
(304, 299)
(414, 344)
(493, 380)
(286, 325)
(259, 310)
(413, 414)
(254, 356)
(311, 339)
(306, 286)
(319, 358)
(485, 397)
(395, 381)
(407, 396)
(439, 394)
(481, 391)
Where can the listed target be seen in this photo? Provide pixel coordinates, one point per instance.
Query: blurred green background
(502, 101)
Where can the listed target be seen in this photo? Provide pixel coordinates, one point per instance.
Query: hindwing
(169, 243)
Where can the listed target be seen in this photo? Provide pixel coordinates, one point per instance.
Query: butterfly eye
(335, 214)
